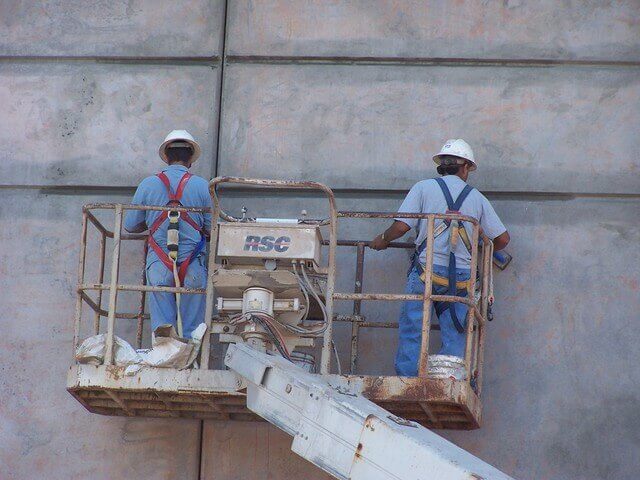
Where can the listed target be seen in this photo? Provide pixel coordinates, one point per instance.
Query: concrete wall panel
(559, 400)
(436, 28)
(560, 385)
(252, 451)
(532, 129)
(99, 124)
(44, 432)
(137, 28)
(560, 396)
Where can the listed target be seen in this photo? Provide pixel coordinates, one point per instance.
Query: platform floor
(219, 395)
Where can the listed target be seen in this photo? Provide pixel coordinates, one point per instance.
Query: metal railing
(476, 315)
(113, 287)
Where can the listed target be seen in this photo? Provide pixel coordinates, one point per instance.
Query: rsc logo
(267, 243)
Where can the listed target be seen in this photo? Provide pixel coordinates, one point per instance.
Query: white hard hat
(458, 148)
(176, 136)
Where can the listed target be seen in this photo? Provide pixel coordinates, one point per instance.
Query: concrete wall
(358, 95)
(88, 91)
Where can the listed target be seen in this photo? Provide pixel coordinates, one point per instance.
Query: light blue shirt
(152, 191)
(426, 197)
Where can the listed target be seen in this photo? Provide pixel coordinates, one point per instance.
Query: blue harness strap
(455, 207)
(450, 203)
(452, 206)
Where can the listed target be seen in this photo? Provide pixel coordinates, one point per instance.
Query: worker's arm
(412, 203)
(135, 220)
(137, 229)
(395, 231)
(501, 241)
(205, 198)
(492, 226)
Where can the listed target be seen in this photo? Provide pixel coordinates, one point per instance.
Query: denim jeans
(410, 328)
(162, 306)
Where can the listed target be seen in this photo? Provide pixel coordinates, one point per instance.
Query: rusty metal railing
(113, 287)
(476, 315)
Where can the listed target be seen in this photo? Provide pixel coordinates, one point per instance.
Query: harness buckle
(453, 234)
(174, 216)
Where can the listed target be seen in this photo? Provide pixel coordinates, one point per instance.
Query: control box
(249, 243)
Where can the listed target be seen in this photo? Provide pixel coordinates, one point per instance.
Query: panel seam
(426, 61)
(221, 89)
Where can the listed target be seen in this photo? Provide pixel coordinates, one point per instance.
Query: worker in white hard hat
(176, 255)
(451, 259)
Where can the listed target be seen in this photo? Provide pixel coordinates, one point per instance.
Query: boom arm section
(345, 434)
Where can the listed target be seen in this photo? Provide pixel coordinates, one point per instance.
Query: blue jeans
(162, 306)
(410, 328)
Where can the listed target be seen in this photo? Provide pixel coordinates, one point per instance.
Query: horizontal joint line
(123, 189)
(426, 61)
(115, 59)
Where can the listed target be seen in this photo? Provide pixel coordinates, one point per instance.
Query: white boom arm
(344, 434)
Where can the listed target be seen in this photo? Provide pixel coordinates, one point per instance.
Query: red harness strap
(174, 200)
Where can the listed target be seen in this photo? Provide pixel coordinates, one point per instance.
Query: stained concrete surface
(86, 124)
(560, 382)
(510, 29)
(558, 377)
(44, 432)
(561, 395)
(127, 28)
(253, 451)
(543, 357)
(532, 129)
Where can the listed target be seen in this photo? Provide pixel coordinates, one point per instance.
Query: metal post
(211, 270)
(143, 297)
(81, 264)
(325, 358)
(113, 287)
(487, 265)
(355, 326)
(471, 287)
(423, 367)
(96, 320)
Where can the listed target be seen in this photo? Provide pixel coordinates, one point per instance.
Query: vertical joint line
(216, 161)
(223, 58)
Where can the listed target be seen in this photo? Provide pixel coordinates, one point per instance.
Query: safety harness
(170, 260)
(456, 230)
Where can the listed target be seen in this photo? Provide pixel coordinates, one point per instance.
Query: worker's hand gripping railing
(325, 359)
(475, 311)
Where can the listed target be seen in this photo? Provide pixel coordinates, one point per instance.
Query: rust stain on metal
(115, 372)
(368, 423)
(424, 400)
(359, 451)
(380, 388)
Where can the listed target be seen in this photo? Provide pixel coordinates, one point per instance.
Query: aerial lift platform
(274, 297)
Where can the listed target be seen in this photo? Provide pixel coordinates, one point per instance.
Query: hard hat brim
(163, 148)
(438, 161)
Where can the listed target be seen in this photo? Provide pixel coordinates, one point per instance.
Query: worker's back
(152, 191)
(426, 196)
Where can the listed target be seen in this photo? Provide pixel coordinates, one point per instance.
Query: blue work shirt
(152, 191)
(426, 197)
